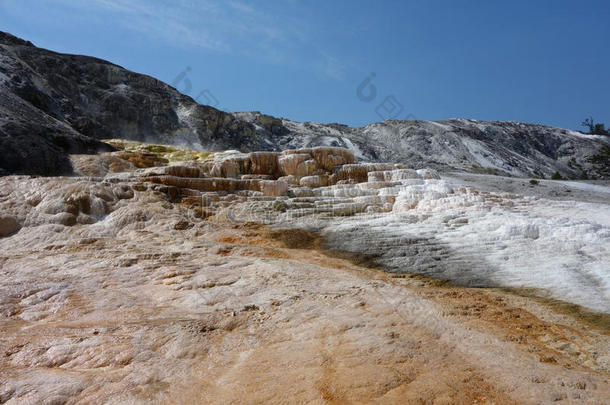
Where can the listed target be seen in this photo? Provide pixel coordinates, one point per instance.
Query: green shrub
(534, 182)
(556, 176)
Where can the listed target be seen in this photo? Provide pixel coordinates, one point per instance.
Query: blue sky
(534, 61)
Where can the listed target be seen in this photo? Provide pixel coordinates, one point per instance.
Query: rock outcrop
(275, 183)
(8, 225)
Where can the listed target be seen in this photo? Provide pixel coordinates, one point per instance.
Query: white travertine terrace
(143, 281)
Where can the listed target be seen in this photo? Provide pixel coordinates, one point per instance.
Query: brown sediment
(302, 239)
(323, 333)
(486, 309)
(598, 320)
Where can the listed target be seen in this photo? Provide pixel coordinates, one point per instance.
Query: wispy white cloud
(176, 23)
(204, 23)
(331, 66)
(238, 5)
(274, 33)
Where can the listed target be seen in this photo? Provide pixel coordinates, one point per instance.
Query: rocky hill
(491, 147)
(53, 105)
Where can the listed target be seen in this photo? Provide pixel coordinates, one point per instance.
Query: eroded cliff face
(171, 276)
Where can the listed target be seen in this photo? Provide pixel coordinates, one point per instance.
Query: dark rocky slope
(54, 104)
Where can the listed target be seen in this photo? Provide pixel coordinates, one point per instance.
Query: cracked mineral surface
(172, 276)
